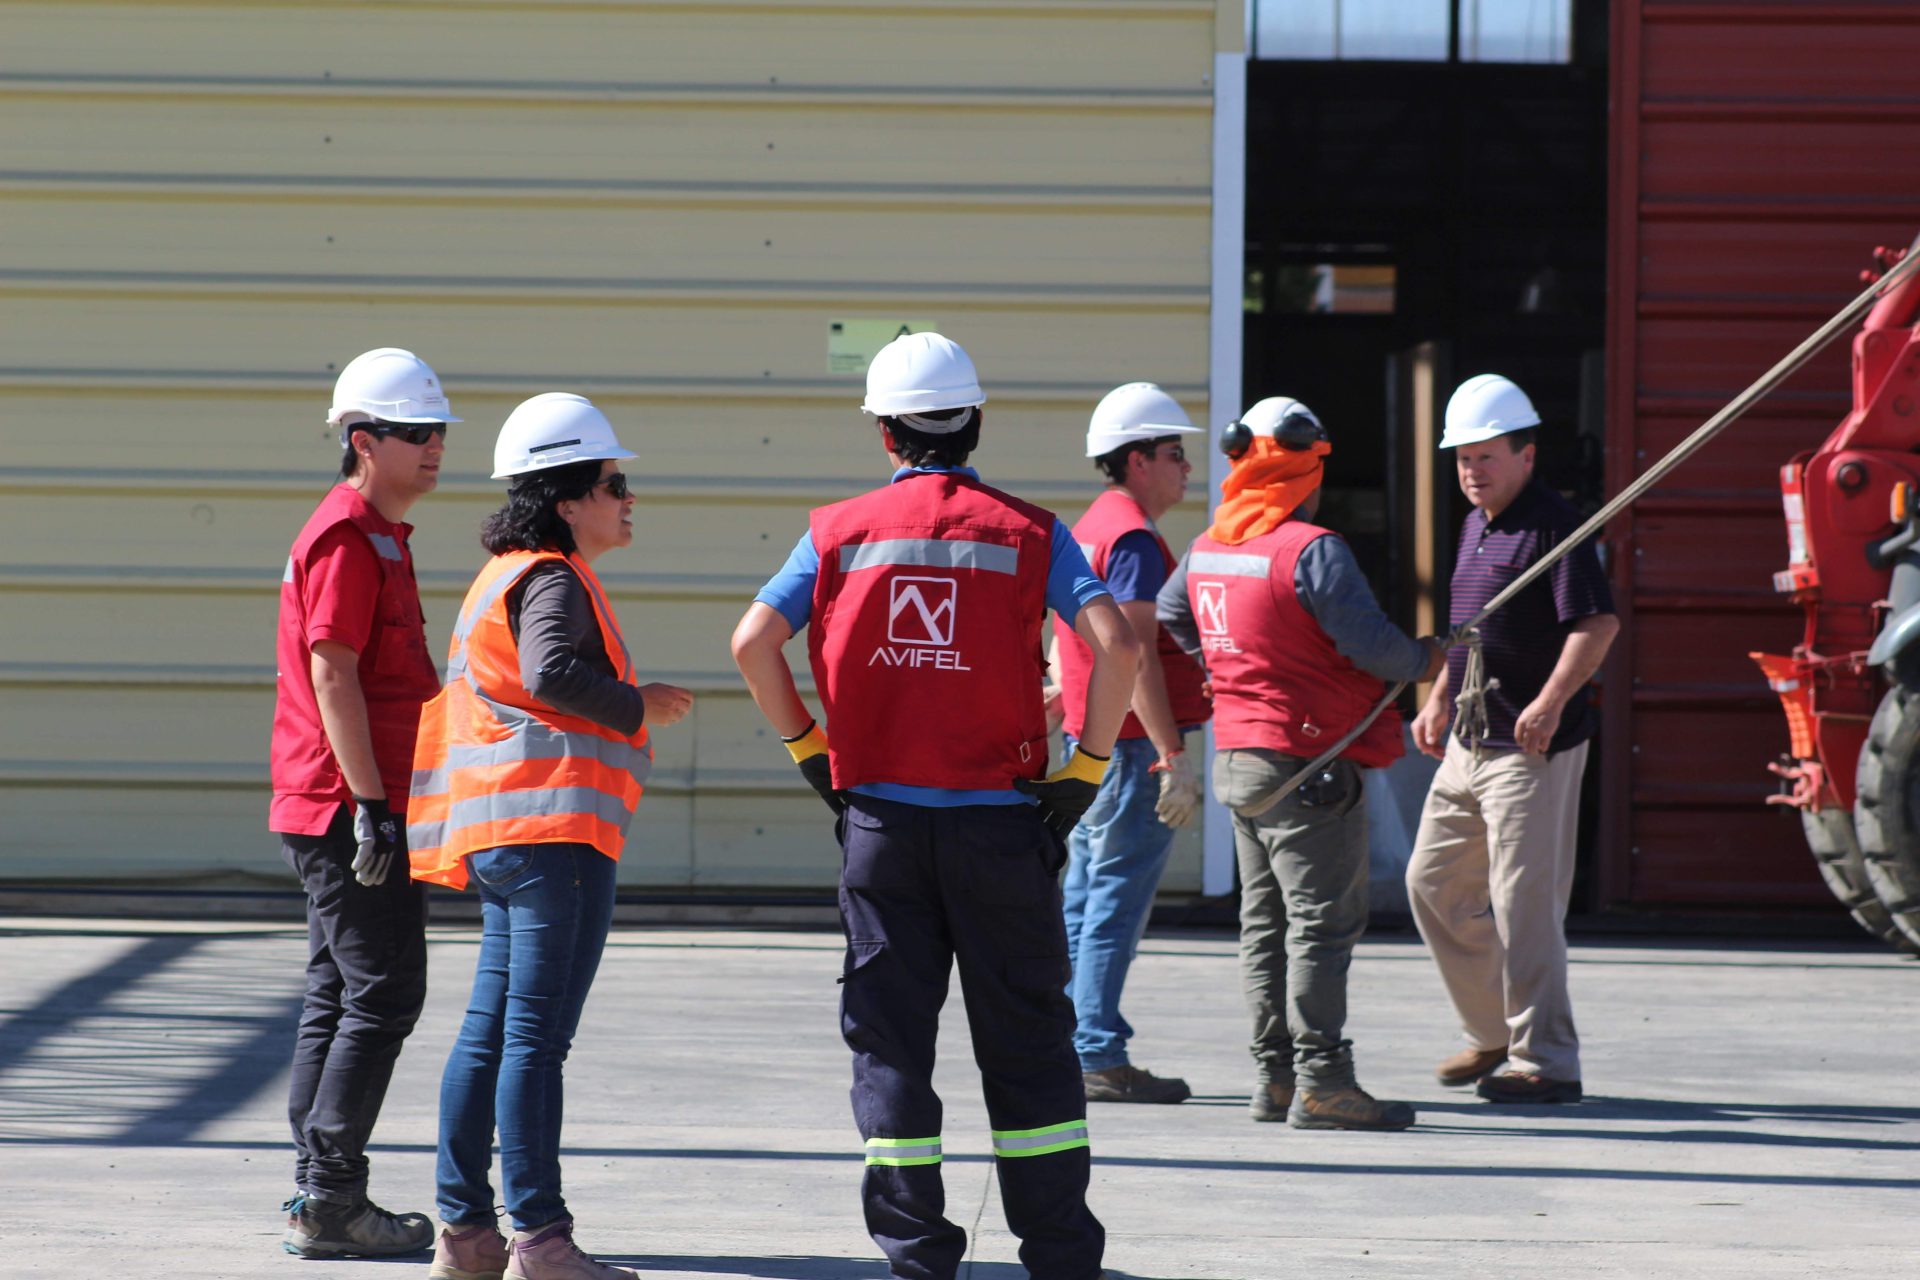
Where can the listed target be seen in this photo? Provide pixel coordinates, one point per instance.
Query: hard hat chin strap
(941, 424)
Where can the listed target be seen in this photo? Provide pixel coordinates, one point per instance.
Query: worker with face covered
(1297, 651)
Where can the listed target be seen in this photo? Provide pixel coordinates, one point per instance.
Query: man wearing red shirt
(353, 674)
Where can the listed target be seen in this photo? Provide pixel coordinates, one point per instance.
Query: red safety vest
(396, 675)
(925, 638)
(1114, 515)
(495, 766)
(1278, 680)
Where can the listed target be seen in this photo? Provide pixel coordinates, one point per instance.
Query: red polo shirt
(349, 579)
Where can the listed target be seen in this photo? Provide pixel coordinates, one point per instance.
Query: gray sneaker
(355, 1229)
(1132, 1084)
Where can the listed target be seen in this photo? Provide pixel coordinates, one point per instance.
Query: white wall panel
(205, 209)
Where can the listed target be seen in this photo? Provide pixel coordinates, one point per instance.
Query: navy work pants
(366, 983)
(920, 888)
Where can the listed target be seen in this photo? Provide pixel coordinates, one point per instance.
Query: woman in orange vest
(529, 764)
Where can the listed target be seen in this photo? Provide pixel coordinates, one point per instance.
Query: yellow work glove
(1068, 791)
(1179, 789)
(809, 751)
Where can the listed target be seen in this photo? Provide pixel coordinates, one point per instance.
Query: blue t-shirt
(1135, 568)
(1071, 583)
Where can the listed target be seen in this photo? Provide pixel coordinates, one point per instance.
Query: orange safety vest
(494, 766)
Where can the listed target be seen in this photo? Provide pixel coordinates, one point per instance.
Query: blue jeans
(545, 910)
(1114, 860)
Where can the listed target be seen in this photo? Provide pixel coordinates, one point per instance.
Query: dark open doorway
(1457, 203)
(1441, 215)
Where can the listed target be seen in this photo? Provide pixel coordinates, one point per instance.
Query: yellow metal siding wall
(205, 209)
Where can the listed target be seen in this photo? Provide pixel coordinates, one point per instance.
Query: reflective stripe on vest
(932, 553)
(1013, 1144)
(903, 1151)
(1229, 564)
(490, 772)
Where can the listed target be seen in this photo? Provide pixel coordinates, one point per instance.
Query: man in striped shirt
(1492, 866)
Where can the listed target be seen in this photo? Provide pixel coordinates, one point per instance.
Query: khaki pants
(1491, 873)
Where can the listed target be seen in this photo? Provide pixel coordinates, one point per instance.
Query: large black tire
(1886, 814)
(1836, 851)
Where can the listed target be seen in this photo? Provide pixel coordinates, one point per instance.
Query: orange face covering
(1267, 484)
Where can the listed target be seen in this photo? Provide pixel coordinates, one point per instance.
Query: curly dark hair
(924, 449)
(1113, 463)
(530, 520)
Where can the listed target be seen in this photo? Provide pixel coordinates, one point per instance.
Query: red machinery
(1851, 688)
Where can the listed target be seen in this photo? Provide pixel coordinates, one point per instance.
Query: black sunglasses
(415, 433)
(616, 485)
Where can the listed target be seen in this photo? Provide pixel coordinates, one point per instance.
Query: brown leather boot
(1128, 1083)
(1468, 1065)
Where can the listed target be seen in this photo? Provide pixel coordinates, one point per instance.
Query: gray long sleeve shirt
(563, 658)
(1330, 587)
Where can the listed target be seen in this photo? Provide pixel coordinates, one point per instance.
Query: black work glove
(377, 831)
(809, 751)
(1067, 792)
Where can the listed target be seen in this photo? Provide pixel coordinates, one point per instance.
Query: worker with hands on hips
(354, 671)
(923, 603)
(529, 768)
(1116, 855)
(1298, 653)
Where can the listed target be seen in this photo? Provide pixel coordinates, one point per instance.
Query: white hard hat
(1486, 405)
(1280, 418)
(1134, 412)
(1265, 417)
(390, 385)
(921, 373)
(551, 430)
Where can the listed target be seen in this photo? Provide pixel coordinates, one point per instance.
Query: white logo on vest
(920, 618)
(1211, 605)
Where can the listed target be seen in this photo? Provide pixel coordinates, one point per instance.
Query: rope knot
(1470, 724)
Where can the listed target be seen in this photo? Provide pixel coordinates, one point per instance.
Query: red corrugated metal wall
(1760, 150)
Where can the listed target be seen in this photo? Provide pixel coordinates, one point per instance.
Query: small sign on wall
(852, 344)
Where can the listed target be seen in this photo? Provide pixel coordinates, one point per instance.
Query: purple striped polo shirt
(1524, 637)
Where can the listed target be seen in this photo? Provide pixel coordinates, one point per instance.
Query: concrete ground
(1751, 1113)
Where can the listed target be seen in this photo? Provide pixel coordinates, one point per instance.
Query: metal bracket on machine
(1803, 784)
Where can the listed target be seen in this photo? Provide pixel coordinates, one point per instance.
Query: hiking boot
(1271, 1100)
(352, 1229)
(1468, 1065)
(1527, 1086)
(474, 1252)
(1352, 1108)
(1133, 1084)
(551, 1254)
